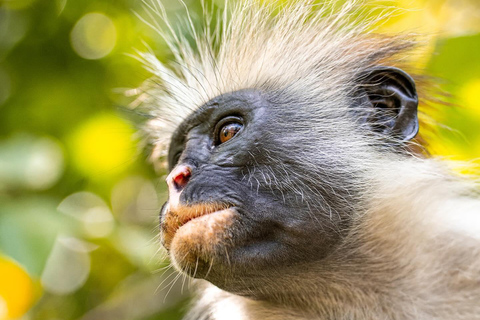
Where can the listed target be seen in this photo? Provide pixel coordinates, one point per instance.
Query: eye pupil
(229, 130)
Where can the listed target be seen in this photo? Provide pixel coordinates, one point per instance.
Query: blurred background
(78, 200)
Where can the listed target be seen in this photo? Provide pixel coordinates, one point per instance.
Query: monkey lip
(176, 218)
(198, 211)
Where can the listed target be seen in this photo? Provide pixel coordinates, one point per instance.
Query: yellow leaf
(16, 290)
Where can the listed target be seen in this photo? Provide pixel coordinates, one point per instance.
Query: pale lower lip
(207, 224)
(207, 221)
(206, 216)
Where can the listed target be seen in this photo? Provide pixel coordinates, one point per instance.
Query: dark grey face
(282, 215)
(255, 189)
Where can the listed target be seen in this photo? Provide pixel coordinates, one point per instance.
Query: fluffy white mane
(315, 50)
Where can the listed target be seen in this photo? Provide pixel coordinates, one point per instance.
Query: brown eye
(228, 131)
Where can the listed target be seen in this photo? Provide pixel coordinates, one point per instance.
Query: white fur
(304, 48)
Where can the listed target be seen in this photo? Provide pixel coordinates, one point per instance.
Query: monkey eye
(228, 129)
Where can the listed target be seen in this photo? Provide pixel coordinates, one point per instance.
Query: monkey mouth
(179, 216)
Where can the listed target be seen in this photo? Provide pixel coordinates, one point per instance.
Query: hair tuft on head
(315, 51)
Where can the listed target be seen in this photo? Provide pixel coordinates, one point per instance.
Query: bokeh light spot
(93, 36)
(91, 210)
(16, 290)
(103, 147)
(45, 165)
(134, 200)
(470, 96)
(98, 222)
(68, 266)
(30, 162)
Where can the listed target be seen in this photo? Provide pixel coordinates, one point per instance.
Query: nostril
(181, 176)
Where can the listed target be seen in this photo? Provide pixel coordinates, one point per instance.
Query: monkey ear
(392, 102)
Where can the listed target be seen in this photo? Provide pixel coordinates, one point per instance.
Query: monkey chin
(195, 244)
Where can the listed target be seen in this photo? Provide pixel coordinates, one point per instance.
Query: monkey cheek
(196, 244)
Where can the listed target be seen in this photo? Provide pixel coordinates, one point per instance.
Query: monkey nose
(179, 177)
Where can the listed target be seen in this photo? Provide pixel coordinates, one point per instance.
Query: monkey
(294, 190)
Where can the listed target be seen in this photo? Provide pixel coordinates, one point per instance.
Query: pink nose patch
(181, 176)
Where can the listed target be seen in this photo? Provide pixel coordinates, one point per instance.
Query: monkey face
(261, 181)
(241, 202)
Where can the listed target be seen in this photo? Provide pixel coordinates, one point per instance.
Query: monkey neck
(406, 249)
(416, 237)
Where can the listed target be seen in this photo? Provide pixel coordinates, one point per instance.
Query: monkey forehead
(241, 102)
(245, 103)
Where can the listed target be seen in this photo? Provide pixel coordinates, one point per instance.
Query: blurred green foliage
(79, 204)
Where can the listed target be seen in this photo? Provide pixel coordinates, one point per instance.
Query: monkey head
(263, 179)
